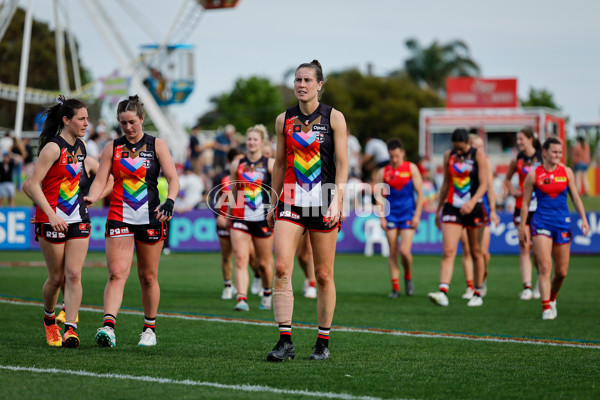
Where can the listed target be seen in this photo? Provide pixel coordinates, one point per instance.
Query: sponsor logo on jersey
(404, 174)
(297, 128)
(146, 154)
(560, 179)
(125, 154)
(320, 128)
(80, 157)
(117, 154)
(70, 160)
(63, 160)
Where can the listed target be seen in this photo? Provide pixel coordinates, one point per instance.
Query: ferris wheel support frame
(168, 128)
(23, 69)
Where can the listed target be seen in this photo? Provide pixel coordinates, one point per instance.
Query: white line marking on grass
(374, 331)
(187, 382)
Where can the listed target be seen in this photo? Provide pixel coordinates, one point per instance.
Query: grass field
(381, 348)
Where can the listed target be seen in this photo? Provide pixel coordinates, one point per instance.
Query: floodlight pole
(23, 70)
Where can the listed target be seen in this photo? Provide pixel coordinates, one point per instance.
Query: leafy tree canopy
(43, 70)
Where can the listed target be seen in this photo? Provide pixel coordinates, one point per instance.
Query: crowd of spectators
(206, 157)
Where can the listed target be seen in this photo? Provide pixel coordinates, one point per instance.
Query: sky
(553, 45)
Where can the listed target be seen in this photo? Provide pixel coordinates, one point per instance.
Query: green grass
(362, 364)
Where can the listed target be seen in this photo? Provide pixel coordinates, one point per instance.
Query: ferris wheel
(162, 73)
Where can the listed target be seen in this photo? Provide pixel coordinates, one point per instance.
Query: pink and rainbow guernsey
(253, 182)
(551, 189)
(135, 169)
(61, 184)
(310, 158)
(401, 197)
(464, 177)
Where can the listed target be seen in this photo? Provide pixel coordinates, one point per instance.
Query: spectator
(191, 187)
(376, 157)
(224, 142)
(195, 151)
(7, 185)
(6, 143)
(580, 159)
(353, 155)
(19, 150)
(94, 148)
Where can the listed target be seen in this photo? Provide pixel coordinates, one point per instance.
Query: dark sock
(285, 333)
(149, 323)
(110, 320)
(49, 318)
(323, 336)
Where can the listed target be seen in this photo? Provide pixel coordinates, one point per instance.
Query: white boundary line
(373, 331)
(187, 382)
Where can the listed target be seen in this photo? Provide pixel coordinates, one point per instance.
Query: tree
(540, 98)
(43, 70)
(253, 101)
(382, 107)
(430, 66)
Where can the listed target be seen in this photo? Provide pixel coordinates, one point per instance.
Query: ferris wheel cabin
(170, 72)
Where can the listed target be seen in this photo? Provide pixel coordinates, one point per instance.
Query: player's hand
(271, 217)
(467, 208)
(58, 224)
(332, 217)
(438, 219)
(88, 201)
(523, 237)
(222, 222)
(383, 223)
(165, 211)
(494, 218)
(585, 227)
(414, 222)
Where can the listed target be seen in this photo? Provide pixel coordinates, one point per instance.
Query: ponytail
(54, 124)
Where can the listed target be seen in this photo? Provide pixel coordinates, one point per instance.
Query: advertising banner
(481, 93)
(196, 231)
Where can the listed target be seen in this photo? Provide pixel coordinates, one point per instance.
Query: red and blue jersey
(464, 177)
(253, 182)
(401, 200)
(310, 171)
(523, 166)
(551, 189)
(135, 169)
(61, 184)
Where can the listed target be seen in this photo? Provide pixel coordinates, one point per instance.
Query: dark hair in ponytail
(530, 134)
(316, 66)
(133, 103)
(54, 118)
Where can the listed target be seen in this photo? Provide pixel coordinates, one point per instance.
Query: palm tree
(431, 66)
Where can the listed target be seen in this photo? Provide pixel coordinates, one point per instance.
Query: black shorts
(77, 230)
(258, 229)
(517, 217)
(475, 219)
(147, 233)
(309, 218)
(223, 233)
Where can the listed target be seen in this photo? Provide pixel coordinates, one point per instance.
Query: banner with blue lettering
(196, 231)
